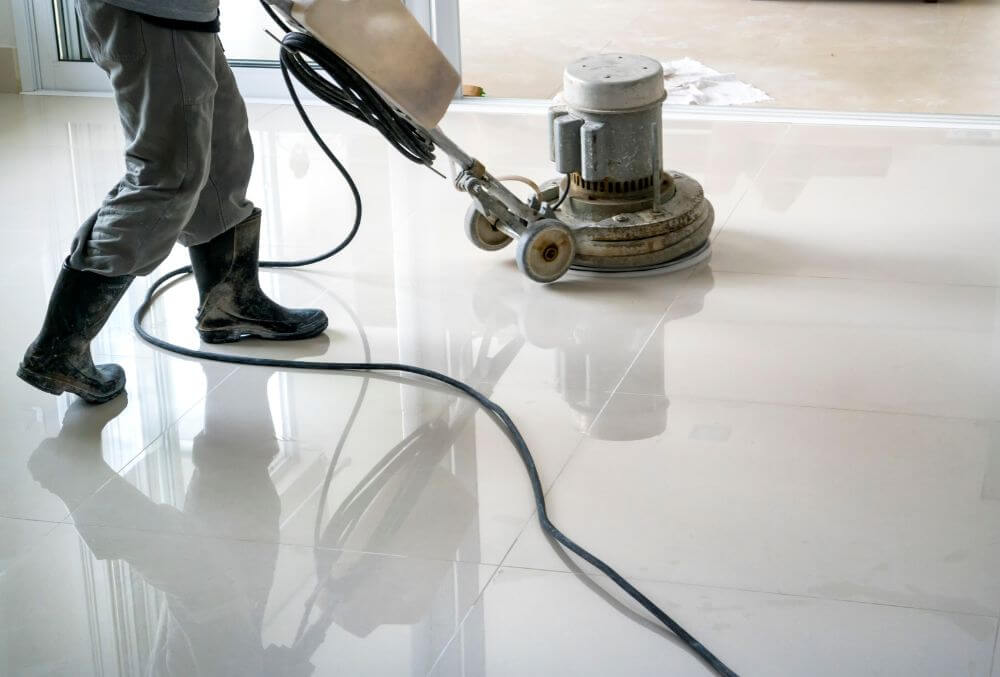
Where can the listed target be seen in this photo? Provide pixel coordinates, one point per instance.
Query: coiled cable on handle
(333, 81)
(347, 91)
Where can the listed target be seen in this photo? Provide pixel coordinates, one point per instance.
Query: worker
(188, 161)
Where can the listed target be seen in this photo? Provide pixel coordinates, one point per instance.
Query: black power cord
(348, 91)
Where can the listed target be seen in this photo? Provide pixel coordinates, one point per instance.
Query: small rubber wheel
(546, 250)
(481, 232)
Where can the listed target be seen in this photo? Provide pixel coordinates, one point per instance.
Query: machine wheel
(481, 232)
(546, 250)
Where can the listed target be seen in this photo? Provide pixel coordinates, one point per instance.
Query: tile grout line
(753, 182)
(794, 405)
(960, 26)
(533, 517)
(915, 283)
(35, 543)
(628, 370)
(274, 105)
(31, 519)
(996, 648)
(757, 591)
(465, 618)
(247, 540)
(847, 327)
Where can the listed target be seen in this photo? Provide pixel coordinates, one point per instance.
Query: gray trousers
(188, 152)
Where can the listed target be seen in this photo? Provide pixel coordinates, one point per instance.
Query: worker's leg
(223, 201)
(164, 82)
(224, 236)
(165, 87)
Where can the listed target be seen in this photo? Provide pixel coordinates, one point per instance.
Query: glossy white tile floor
(795, 449)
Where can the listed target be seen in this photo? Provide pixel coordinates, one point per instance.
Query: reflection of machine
(585, 368)
(613, 210)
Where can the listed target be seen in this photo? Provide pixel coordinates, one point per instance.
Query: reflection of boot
(71, 465)
(231, 488)
(59, 359)
(233, 306)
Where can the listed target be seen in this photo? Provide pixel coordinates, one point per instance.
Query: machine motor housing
(607, 138)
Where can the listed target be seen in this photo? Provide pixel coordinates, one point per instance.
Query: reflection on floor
(891, 56)
(794, 448)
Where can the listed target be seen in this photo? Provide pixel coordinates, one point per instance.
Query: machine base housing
(646, 239)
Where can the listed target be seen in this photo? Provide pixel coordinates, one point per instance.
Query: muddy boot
(59, 359)
(233, 306)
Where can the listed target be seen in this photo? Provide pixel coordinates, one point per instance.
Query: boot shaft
(80, 305)
(231, 258)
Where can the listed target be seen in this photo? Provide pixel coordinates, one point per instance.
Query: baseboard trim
(758, 114)
(763, 114)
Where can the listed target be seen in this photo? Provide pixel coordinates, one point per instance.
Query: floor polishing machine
(614, 209)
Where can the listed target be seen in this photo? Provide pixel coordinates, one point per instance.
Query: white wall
(6, 24)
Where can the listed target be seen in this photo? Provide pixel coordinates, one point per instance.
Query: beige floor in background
(900, 56)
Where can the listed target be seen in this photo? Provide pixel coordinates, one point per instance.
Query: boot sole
(235, 334)
(57, 386)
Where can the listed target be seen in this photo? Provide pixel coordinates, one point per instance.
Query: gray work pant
(188, 152)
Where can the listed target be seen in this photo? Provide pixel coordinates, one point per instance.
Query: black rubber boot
(59, 359)
(233, 306)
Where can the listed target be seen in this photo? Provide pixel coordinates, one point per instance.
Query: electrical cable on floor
(347, 91)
